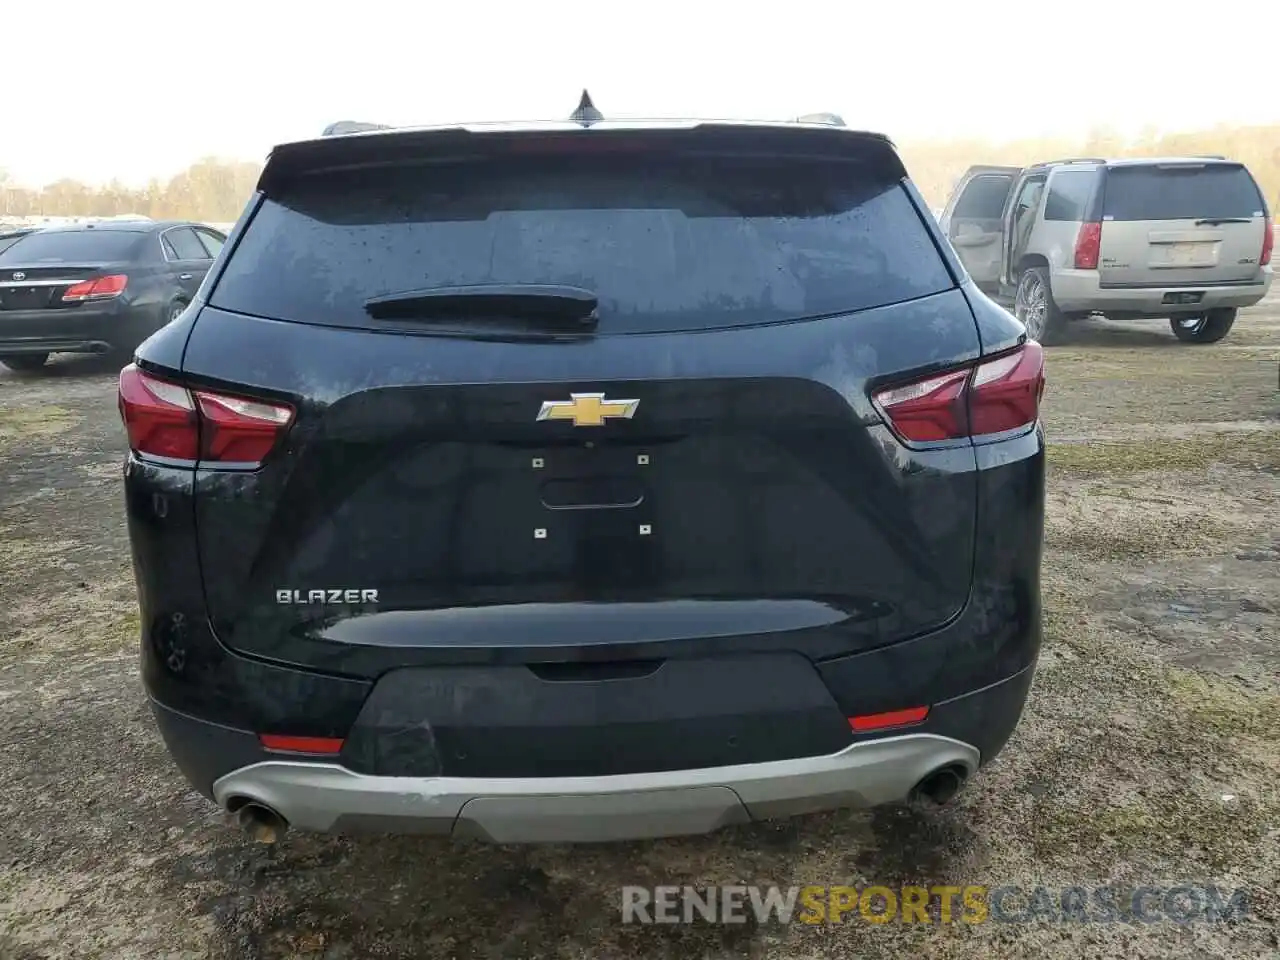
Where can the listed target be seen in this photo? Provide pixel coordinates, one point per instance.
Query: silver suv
(1188, 239)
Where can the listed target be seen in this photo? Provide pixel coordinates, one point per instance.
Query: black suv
(583, 481)
(99, 287)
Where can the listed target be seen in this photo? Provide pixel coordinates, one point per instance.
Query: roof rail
(343, 127)
(830, 119)
(1050, 163)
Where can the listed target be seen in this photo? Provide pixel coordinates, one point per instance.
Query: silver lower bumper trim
(330, 798)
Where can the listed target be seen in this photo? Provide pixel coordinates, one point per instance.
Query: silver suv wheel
(1031, 304)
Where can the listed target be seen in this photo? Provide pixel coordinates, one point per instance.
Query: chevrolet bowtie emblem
(587, 409)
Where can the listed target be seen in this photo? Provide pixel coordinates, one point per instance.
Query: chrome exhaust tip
(940, 786)
(260, 822)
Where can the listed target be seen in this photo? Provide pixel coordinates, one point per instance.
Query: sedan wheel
(24, 362)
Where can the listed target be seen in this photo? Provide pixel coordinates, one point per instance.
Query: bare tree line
(211, 190)
(215, 190)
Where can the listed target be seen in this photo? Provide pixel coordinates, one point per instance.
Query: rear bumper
(327, 797)
(83, 330)
(320, 795)
(1080, 291)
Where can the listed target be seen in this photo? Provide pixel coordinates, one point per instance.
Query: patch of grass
(17, 423)
(123, 633)
(1185, 718)
(1170, 826)
(18, 554)
(103, 634)
(109, 634)
(1155, 536)
(1197, 711)
(1259, 450)
(1065, 621)
(1143, 363)
(1218, 708)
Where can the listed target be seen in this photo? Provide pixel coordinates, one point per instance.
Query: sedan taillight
(103, 288)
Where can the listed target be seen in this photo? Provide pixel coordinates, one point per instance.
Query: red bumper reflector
(883, 721)
(327, 745)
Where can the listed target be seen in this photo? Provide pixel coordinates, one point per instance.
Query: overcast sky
(142, 88)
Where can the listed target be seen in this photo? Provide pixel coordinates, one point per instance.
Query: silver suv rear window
(680, 244)
(1181, 193)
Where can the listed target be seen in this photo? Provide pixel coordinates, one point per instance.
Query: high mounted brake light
(170, 421)
(990, 398)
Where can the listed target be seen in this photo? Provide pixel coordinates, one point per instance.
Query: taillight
(1268, 241)
(103, 288)
(168, 420)
(239, 431)
(1088, 246)
(926, 410)
(1004, 394)
(996, 396)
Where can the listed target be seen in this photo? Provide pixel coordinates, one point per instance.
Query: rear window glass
(1188, 193)
(672, 245)
(80, 246)
(1069, 194)
(983, 198)
(7, 242)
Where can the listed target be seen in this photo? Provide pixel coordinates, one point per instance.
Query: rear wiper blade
(544, 304)
(1215, 221)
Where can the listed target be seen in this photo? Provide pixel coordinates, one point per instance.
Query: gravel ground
(1148, 754)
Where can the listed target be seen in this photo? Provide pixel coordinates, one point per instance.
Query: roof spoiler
(288, 161)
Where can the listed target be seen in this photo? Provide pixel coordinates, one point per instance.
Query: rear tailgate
(1181, 224)
(742, 492)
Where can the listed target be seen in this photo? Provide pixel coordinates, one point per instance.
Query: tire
(175, 310)
(1033, 305)
(24, 362)
(1208, 327)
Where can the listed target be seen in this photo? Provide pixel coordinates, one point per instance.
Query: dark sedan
(97, 287)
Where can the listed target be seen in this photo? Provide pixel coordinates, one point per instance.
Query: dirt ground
(1148, 754)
